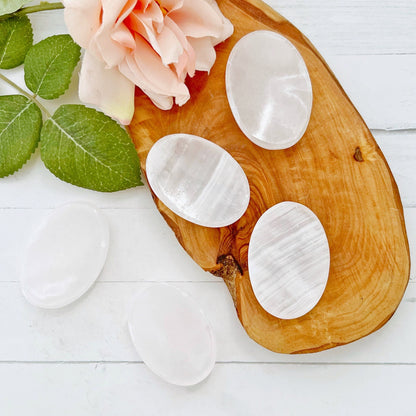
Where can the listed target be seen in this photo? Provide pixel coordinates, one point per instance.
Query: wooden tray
(337, 170)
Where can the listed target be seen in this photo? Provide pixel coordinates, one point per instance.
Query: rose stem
(33, 9)
(27, 95)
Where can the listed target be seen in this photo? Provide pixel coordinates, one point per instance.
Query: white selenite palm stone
(288, 260)
(269, 90)
(172, 335)
(198, 180)
(65, 256)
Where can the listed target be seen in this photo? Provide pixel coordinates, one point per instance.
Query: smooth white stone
(172, 335)
(288, 260)
(198, 180)
(269, 90)
(65, 256)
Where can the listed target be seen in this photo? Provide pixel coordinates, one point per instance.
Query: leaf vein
(90, 154)
(15, 118)
(7, 43)
(49, 67)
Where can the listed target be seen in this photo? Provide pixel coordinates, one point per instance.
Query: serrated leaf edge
(66, 86)
(7, 44)
(24, 162)
(92, 156)
(29, 156)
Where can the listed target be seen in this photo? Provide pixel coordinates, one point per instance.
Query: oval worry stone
(172, 335)
(269, 90)
(288, 260)
(65, 256)
(198, 180)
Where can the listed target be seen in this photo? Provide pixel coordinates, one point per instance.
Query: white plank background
(80, 361)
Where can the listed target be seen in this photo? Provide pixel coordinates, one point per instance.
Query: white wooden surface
(80, 361)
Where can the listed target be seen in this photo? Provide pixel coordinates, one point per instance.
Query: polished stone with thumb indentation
(198, 180)
(288, 260)
(269, 89)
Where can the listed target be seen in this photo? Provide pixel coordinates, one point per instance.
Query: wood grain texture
(377, 372)
(337, 170)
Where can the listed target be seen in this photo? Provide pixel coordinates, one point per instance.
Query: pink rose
(153, 44)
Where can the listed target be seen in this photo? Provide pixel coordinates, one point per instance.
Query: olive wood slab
(336, 169)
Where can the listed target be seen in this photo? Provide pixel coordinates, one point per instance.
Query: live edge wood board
(337, 170)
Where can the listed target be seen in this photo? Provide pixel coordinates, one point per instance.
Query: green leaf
(10, 6)
(16, 38)
(20, 125)
(49, 65)
(86, 148)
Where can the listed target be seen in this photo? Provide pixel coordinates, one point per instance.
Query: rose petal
(106, 89)
(130, 71)
(227, 29)
(186, 62)
(198, 18)
(154, 44)
(204, 53)
(171, 5)
(102, 45)
(145, 68)
(82, 18)
(152, 16)
(142, 5)
(165, 43)
(163, 102)
(170, 47)
(123, 36)
(127, 9)
(113, 9)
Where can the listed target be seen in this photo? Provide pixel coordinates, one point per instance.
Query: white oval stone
(65, 256)
(198, 180)
(269, 89)
(172, 335)
(288, 260)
